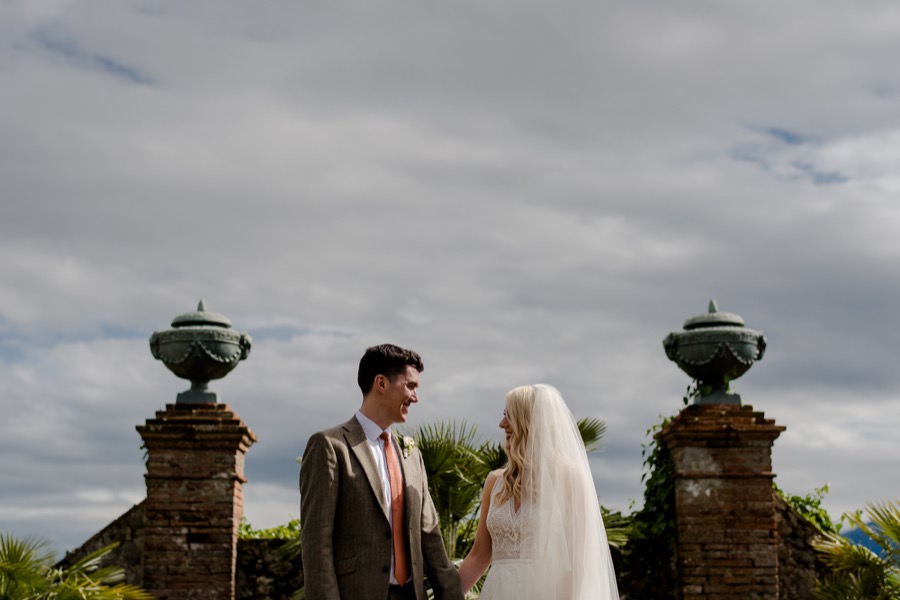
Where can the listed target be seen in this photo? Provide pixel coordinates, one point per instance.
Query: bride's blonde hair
(519, 405)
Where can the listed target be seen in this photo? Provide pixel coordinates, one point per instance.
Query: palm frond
(618, 527)
(23, 564)
(292, 548)
(885, 518)
(456, 470)
(27, 573)
(591, 430)
(841, 554)
(856, 571)
(493, 456)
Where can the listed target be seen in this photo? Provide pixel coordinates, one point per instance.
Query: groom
(369, 527)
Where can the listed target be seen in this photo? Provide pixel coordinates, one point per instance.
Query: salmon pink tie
(401, 556)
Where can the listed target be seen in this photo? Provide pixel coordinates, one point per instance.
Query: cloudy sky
(521, 191)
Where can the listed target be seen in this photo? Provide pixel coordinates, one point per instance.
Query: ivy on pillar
(727, 544)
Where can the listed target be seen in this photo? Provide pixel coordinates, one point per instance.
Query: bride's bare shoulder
(492, 478)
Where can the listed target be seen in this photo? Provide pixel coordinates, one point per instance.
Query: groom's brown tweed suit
(346, 532)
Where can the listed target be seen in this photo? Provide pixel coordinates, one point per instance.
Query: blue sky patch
(791, 138)
(773, 161)
(820, 177)
(70, 49)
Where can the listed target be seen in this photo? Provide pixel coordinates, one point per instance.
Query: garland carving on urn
(714, 349)
(200, 347)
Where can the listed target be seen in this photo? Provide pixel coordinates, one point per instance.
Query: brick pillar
(195, 477)
(726, 546)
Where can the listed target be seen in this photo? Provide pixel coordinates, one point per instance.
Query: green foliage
(591, 431)
(810, 507)
(647, 568)
(289, 530)
(694, 390)
(27, 572)
(290, 551)
(456, 463)
(656, 519)
(858, 573)
(618, 527)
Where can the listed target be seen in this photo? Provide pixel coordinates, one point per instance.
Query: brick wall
(736, 537)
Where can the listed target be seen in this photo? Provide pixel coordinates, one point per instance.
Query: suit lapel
(359, 444)
(410, 467)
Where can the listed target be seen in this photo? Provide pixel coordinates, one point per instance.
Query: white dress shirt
(376, 445)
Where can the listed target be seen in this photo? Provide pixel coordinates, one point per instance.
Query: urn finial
(201, 346)
(715, 348)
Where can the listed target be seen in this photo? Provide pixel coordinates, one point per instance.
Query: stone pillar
(195, 477)
(726, 546)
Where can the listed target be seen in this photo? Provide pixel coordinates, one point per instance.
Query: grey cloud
(521, 192)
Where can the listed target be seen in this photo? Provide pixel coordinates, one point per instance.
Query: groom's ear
(380, 383)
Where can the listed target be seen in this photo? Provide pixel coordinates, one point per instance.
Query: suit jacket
(346, 531)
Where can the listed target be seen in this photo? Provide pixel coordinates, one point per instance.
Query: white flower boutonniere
(406, 444)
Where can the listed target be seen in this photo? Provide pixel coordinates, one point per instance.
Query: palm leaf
(22, 565)
(27, 573)
(857, 571)
(591, 431)
(455, 471)
(618, 527)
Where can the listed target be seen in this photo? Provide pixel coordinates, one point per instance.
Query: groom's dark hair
(388, 360)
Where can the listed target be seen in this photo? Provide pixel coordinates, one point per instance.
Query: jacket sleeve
(441, 572)
(318, 502)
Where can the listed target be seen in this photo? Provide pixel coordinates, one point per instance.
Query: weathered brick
(195, 474)
(724, 509)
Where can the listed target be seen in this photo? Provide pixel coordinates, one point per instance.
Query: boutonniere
(406, 444)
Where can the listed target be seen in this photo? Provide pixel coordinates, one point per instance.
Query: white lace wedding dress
(507, 577)
(554, 547)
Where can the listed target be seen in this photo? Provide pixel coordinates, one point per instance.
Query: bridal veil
(566, 536)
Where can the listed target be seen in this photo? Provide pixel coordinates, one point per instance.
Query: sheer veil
(566, 534)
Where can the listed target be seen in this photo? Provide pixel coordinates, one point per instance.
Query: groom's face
(399, 393)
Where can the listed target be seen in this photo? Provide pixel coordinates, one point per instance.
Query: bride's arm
(479, 557)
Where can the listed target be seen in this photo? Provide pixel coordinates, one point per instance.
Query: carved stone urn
(714, 349)
(200, 347)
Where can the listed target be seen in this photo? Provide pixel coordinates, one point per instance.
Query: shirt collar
(370, 427)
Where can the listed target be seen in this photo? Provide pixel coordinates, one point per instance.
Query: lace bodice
(505, 525)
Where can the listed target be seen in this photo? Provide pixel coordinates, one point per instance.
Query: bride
(540, 528)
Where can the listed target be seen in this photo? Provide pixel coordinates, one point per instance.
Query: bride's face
(506, 426)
